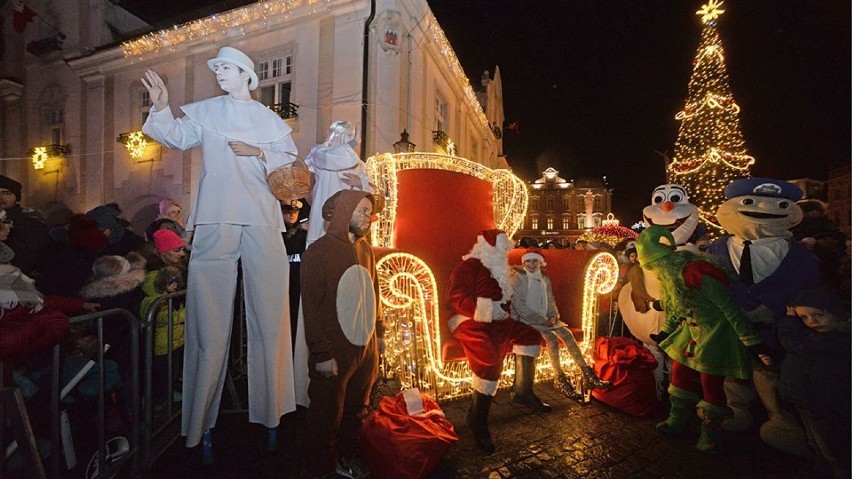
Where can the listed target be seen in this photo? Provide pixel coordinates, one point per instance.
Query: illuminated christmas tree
(710, 151)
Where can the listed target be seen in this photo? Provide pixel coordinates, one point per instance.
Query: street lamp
(403, 145)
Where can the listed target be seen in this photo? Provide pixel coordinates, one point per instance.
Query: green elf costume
(705, 334)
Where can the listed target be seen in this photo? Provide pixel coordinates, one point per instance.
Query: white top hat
(235, 57)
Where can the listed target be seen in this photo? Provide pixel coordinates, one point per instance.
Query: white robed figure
(234, 217)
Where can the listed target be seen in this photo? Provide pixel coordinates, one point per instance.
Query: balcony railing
(285, 110)
(46, 45)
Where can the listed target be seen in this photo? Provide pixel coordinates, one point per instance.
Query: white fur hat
(534, 255)
(235, 57)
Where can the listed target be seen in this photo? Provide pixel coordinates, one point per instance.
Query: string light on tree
(710, 150)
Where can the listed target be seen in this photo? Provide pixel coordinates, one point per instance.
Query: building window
(597, 219)
(550, 204)
(534, 223)
(597, 203)
(581, 221)
(581, 203)
(54, 122)
(534, 204)
(275, 75)
(566, 203)
(144, 104)
(550, 223)
(441, 112)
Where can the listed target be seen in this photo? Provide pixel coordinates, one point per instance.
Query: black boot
(522, 392)
(477, 421)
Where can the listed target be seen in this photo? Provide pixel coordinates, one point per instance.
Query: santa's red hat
(491, 235)
(534, 254)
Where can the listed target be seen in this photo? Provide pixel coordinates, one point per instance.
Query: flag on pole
(22, 15)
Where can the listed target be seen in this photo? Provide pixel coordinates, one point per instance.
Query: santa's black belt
(294, 258)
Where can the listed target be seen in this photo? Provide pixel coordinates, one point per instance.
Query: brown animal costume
(343, 321)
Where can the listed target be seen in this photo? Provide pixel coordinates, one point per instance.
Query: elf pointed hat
(654, 243)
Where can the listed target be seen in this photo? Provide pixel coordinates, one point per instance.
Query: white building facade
(84, 95)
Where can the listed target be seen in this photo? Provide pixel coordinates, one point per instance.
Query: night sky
(595, 84)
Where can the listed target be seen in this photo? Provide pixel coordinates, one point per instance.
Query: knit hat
(167, 240)
(83, 233)
(106, 216)
(7, 183)
(654, 242)
(534, 254)
(106, 266)
(166, 205)
(823, 300)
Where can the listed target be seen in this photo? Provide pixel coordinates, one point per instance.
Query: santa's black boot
(477, 421)
(522, 392)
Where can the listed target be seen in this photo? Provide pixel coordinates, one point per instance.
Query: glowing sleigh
(436, 206)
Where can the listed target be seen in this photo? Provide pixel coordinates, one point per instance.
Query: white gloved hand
(327, 369)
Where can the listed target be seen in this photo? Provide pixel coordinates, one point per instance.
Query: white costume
(329, 164)
(235, 217)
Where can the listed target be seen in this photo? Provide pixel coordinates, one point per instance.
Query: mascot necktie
(746, 274)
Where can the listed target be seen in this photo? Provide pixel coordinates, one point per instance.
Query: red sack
(629, 365)
(406, 437)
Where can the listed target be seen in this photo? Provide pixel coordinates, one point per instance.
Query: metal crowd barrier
(106, 466)
(151, 431)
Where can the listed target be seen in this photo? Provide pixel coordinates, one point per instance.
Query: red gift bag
(406, 437)
(629, 365)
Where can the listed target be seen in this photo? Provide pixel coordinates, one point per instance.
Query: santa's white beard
(496, 261)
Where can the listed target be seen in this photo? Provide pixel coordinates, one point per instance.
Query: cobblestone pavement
(575, 440)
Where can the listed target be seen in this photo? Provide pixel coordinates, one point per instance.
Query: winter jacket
(815, 372)
(161, 318)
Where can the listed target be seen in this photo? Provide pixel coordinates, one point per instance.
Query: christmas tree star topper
(710, 11)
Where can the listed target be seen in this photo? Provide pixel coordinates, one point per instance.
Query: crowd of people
(734, 314)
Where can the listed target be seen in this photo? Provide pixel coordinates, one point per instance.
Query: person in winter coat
(815, 375)
(533, 304)
(29, 237)
(116, 282)
(120, 239)
(706, 335)
(170, 217)
(159, 281)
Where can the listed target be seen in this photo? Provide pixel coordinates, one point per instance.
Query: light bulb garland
(265, 13)
(510, 196)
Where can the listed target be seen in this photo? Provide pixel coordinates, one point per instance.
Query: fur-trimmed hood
(113, 285)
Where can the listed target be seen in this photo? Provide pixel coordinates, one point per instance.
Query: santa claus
(479, 293)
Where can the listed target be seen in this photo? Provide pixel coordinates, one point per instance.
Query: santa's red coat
(485, 344)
